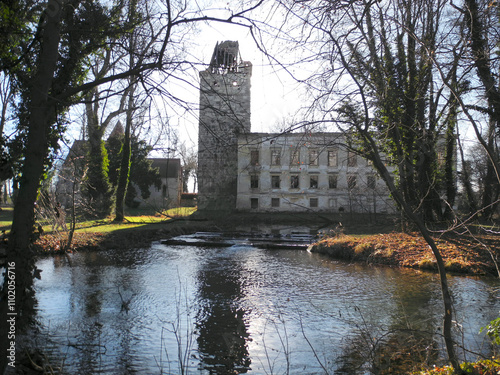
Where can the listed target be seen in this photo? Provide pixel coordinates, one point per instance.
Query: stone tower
(224, 114)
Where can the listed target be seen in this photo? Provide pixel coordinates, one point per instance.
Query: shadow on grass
(6, 214)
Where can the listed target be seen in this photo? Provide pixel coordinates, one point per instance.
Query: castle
(266, 172)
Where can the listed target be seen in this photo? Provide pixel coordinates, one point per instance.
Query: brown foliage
(462, 253)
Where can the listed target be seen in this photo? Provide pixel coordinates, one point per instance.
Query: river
(183, 309)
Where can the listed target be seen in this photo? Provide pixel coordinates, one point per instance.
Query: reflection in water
(245, 310)
(222, 333)
(92, 301)
(408, 334)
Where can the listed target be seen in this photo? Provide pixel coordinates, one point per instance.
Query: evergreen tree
(142, 174)
(96, 187)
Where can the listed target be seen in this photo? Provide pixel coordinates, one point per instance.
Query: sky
(274, 93)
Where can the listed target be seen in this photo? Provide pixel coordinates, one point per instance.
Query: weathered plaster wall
(314, 160)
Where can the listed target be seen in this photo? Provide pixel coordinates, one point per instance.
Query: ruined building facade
(311, 172)
(266, 172)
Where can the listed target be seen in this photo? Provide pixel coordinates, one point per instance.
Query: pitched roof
(117, 131)
(78, 150)
(169, 168)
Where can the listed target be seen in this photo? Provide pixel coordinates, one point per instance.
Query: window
(254, 157)
(275, 182)
(332, 158)
(254, 203)
(351, 182)
(275, 202)
(313, 202)
(294, 181)
(352, 160)
(313, 181)
(254, 181)
(332, 181)
(370, 181)
(333, 202)
(313, 157)
(295, 157)
(276, 157)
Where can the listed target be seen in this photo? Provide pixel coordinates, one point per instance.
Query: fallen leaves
(465, 254)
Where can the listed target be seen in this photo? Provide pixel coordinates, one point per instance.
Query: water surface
(181, 309)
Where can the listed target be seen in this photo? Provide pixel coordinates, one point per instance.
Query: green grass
(181, 211)
(135, 218)
(137, 221)
(106, 228)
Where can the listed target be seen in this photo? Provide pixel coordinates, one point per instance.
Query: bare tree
(481, 20)
(137, 48)
(97, 187)
(6, 164)
(189, 166)
(65, 34)
(376, 82)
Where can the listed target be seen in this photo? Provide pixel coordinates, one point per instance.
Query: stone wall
(224, 114)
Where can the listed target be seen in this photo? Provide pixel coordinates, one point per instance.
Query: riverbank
(461, 253)
(372, 244)
(122, 238)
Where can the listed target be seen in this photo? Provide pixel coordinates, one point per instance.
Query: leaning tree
(375, 79)
(51, 73)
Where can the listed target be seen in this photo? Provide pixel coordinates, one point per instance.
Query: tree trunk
(491, 182)
(450, 154)
(482, 61)
(41, 114)
(97, 186)
(447, 300)
(450, 171)
(72, 225)
(123, 179)
(41, 109)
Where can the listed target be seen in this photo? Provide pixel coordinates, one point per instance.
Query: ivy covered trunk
(482, 57)
(41, 107)
(96, 187)
(123, 179)
(417, 220)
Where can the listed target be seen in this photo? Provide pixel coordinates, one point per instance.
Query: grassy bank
(139, 228)
(462, 254)
(134, 231)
